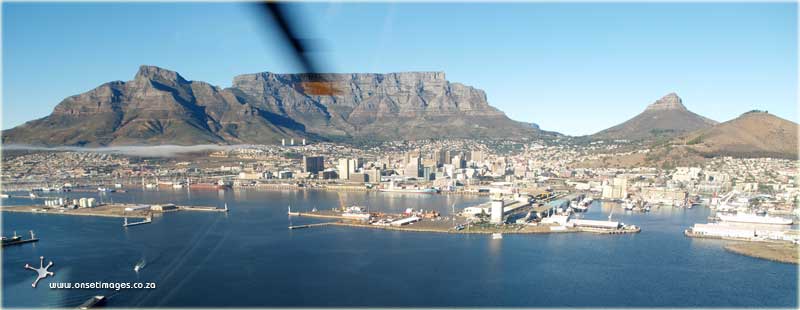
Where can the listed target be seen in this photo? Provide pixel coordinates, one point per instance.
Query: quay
(113, 210)
(438, 225)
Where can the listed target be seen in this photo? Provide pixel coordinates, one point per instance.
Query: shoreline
(444, 226)
(782, 252)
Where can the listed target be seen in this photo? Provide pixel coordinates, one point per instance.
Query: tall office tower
(344, 169)
(313, 164)
(477, 156)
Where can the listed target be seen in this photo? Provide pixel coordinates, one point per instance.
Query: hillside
(159, 106)
(667, 117)
(753, 134)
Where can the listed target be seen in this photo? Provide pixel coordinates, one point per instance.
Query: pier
(113, 210)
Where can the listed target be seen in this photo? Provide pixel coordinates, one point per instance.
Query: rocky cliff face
(161, 107)
(667, 117)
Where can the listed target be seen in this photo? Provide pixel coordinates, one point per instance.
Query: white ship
(416, 190)
(754, 219)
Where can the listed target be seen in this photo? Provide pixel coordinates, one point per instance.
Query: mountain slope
(161, 107)
(157, 107)
(753, 134)
(408, 105)
(667, 117)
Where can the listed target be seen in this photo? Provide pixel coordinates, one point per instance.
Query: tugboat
(95, 301)
(139, 265)
(15, 238)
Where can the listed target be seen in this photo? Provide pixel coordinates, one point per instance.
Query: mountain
(667, 117)
(753, 134)
(159, 106)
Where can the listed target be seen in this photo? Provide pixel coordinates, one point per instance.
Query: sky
(575, 68)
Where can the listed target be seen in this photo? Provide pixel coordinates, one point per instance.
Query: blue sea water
(248, 258)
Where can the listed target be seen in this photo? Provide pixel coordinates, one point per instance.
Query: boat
(403, 189)
(217, 185)
(95, 301)
(579, 207)
(147, 220)
(8, 240)
(754, 219)
(629, 206)
(139, 266)
(496, 236)
(16, 239)
(410, 190)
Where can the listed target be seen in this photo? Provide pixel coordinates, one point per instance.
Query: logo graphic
(42, 270)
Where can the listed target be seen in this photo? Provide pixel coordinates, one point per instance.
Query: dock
(118, 210)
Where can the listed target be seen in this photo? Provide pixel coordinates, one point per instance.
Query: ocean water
(248, 258)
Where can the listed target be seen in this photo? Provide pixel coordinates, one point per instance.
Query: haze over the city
(572, 68)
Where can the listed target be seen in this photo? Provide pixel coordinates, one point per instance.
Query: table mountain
(159, 106)
(667, 117)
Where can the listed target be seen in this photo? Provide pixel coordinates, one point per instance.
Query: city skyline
(589, 66)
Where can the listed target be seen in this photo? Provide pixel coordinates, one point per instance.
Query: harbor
(513, 214)
(257, 226)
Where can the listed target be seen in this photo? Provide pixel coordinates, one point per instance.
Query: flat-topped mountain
(667, 117)
(159, 106)
(753, 134)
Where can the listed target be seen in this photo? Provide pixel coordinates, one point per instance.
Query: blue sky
(575, 68)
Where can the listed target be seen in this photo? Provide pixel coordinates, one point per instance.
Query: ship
(13, 239)
(96, 301)
(410, 190)
(139, 265)
(147, 220)
(413, 190)
(218, 185)
(581, 206)
(754, 219)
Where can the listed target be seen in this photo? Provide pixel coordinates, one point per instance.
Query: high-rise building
(428, 173)
(458, 162)
(313, 164)
(477, 156)
(352, 164)
(617, 189)
(496, 210)
(374, 176)
(344, 169)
